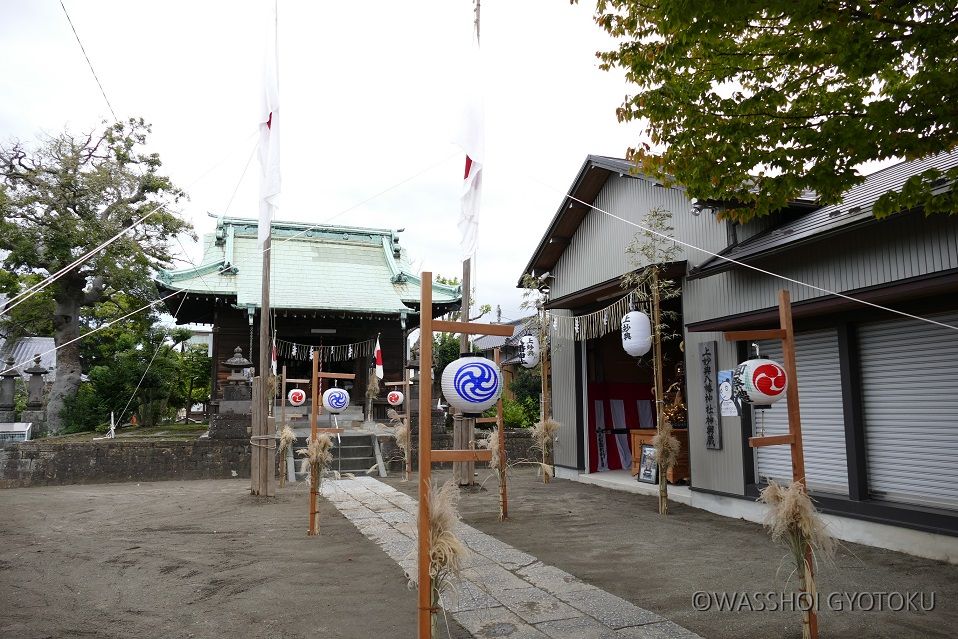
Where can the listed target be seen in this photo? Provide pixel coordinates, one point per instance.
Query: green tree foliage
(34, 316)
(527, 384)
(756, 102)
(65, 196)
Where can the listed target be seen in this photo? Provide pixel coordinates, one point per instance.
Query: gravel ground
(197, 559)
(618, 542)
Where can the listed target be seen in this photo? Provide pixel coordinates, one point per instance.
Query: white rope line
(219, 271)
(752, 267)
(21, 297)
(150, 365)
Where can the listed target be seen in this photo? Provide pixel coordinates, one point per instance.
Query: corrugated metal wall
(822, 416)
(721, 469)
(597, 251)
(563, 397)
(910, 399)
(895, 249)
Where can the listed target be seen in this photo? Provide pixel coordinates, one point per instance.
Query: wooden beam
(336, 375)
(737, 336)
(330, 431)
(471, 328)
(466, 455)
(770, 440)
(297, 381)
(487, 420)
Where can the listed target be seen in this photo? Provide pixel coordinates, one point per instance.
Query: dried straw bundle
(667, 448)
(403, 435)
(318, 453)
(286, 439)
(491, 442)
(544, 433)
(793, 520)
(446, 552)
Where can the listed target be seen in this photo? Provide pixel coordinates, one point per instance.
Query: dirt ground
(203, 559)
(191, 559)
(614, 540)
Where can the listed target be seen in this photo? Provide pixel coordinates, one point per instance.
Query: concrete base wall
(45, 464)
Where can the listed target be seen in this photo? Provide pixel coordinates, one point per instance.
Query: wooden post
(500, 427)
(282, 418)
(425, 452)
(786, 333)
(659, 385)
(408, 410)
(313, 425)
(255, 459)
(264, 430)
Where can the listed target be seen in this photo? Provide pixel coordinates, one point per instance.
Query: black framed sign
(708, 361)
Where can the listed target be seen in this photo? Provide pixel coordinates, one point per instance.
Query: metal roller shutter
(823, 422)
(909, 372)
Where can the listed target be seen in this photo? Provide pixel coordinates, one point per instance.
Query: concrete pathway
(503, 591)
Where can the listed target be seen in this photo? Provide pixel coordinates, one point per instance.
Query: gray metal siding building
(867, 413)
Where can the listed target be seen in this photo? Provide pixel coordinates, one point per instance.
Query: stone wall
(518, 447)
(45, 463)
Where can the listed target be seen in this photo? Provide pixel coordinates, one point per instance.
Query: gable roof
(853, 211)
(23, 350)
(485, 343)
(592, 176)
(321, 267)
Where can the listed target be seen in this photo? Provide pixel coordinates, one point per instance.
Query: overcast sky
(369, 96)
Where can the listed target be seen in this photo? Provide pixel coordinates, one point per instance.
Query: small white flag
(379, 360)
(472, 140)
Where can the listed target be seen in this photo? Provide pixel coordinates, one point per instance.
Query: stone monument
(8, 382)
(234, 417)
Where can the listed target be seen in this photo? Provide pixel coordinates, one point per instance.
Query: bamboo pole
(282, 416)
(408, 410)
(810, 618)
(256, 408)
(659, 392)
(425, 453)
(503, 488)
(313, 426)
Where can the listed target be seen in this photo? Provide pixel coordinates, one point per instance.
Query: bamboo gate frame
(426, 454)
(786, 334)
(314, 430)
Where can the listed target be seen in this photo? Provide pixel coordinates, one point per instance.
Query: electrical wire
(90, 64)
(748, 266)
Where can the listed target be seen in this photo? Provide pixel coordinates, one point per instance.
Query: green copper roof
(324, 267)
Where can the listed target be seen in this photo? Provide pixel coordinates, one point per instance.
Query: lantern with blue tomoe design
(636, 333)
(529, 351)
(335, 400)
(472, 384)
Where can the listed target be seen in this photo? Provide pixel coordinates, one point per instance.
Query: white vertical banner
(471, 139)
(269, 132)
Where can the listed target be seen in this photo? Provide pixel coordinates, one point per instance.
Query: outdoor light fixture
(529, 345)
(395, 398)
(759, 381)
(335, 400)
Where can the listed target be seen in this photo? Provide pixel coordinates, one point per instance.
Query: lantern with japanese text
(395, 398)
(297, 397)
(335, 400)
(759, 381)
(529, 351)
(636, 333)
(472, 384)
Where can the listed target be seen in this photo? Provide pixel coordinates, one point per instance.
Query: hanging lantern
(335, 400)
(297, 397)
(636, 333)
(472, 384)
(530, 351)
(395, 398)
(759, 381)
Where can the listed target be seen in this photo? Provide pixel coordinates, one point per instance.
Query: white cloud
(368, 99)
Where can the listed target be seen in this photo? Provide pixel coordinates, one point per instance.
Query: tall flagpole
(264, 443)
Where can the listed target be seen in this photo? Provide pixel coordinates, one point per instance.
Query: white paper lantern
(759, 381)
(636, 333)
(472, 384)
(297, 397)
(530, 351)
(395, 398)
(335, 400)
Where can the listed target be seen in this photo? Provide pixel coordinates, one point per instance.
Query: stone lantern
(8, 381)
(233, 420)
(34, 412)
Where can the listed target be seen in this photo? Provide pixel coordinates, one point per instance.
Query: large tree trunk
(66, 323)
